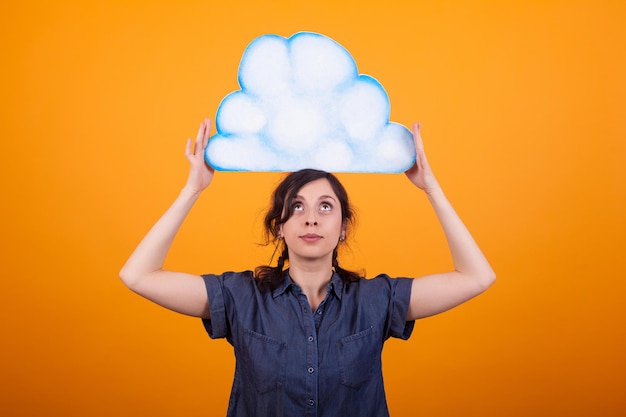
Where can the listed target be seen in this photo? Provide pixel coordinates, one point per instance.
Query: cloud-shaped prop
(303, 104)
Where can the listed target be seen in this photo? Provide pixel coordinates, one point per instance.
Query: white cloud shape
(303, 104)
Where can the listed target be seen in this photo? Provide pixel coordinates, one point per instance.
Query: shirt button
(310, 339)
(319, 312)
(310, 369)
(311, 403)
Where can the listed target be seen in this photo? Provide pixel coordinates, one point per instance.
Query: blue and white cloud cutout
(303, 104)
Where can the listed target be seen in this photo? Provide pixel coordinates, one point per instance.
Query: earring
(342, 238)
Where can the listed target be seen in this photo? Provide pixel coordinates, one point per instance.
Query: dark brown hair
(269, 277)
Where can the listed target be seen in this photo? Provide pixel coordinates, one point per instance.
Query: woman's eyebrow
(322, 197)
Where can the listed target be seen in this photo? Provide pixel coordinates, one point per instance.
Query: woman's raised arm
(143, 272)
(472, 273)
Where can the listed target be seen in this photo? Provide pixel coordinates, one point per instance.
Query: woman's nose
(311, 222)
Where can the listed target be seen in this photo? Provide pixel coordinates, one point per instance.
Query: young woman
(307, 338)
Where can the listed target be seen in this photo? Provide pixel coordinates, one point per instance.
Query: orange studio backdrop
(522, 105)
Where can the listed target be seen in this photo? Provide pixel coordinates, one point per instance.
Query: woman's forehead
(317, 189)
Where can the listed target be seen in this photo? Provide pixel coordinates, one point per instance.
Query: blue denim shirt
(293, 362)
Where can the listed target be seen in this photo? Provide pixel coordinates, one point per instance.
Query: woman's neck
(312, 278)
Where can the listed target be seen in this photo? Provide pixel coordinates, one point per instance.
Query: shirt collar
(283, 286)
(336, 285)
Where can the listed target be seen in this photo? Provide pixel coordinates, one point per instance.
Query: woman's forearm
(467, 257)
(150, 254)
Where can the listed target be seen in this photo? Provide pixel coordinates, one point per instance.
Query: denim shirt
(293, 362)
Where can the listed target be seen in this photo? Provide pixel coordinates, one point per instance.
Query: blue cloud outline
(257, 150)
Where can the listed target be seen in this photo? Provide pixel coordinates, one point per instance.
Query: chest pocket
(358, 356)
(263, 360)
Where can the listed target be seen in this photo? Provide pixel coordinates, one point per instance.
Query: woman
(308, 339)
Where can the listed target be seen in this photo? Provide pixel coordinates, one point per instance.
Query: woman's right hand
(200, 172)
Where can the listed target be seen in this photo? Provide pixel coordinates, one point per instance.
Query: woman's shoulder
(231, 278)
(380, 279)
(232, 275)
(383, 282)
(233, 285)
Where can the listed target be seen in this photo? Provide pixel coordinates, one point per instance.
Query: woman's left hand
(420, 173)
(200, 172)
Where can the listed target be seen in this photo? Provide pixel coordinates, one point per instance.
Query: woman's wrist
(190, 192)
(434, 193)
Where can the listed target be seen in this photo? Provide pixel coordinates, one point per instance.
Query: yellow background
(522, 105)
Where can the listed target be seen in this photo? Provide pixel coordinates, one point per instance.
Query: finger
(417, 137)
(188, 150)
(419, 146)
(201, 130)
(200, 137)
(207, 133)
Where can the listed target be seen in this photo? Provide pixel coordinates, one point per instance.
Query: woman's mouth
(310, 237)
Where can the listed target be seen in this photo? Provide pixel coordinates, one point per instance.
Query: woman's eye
(297, 206)
(325, 207)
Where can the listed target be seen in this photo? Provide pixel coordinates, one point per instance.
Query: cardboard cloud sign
(303, 104)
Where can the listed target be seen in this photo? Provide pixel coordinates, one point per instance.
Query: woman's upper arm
(180, 292)
(434, 294)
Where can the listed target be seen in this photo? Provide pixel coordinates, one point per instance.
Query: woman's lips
(310, 237)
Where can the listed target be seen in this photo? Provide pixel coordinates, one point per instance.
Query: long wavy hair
(269, 277)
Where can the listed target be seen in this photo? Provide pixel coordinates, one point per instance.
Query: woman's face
(315, 226)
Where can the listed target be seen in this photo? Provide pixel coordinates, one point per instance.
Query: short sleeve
(227, 293)
(216, 326)
(400, 299)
